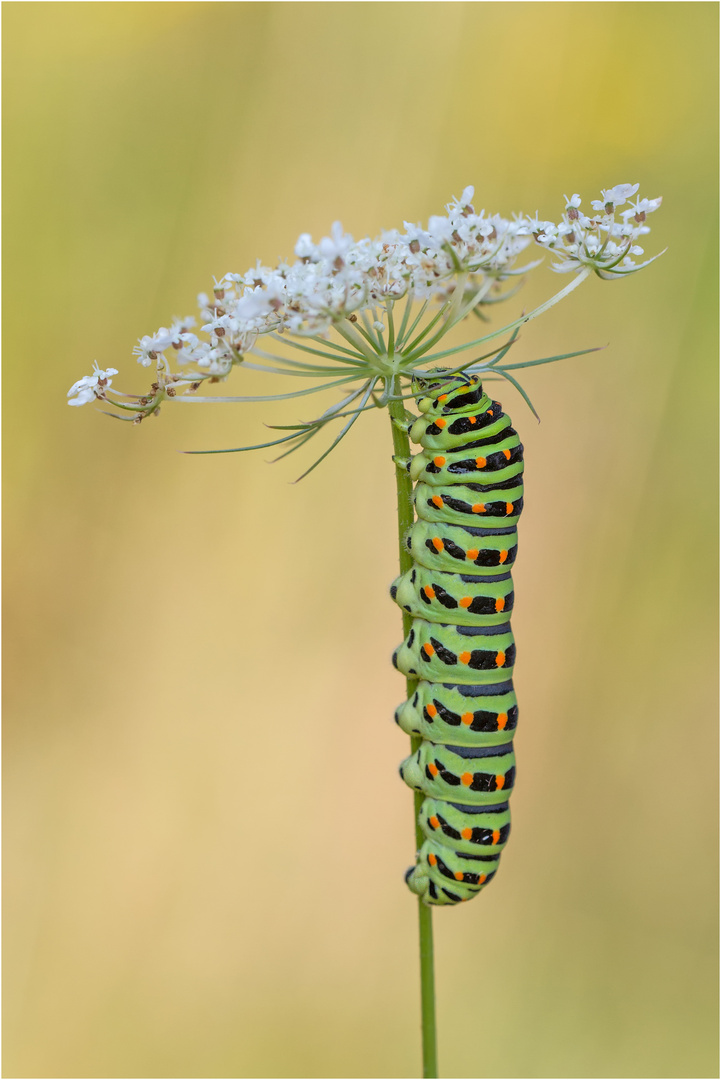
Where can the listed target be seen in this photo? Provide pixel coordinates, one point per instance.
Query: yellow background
(205, 833)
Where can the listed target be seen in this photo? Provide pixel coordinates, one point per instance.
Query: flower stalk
(404, 489)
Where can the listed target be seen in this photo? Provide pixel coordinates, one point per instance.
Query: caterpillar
(468, 496)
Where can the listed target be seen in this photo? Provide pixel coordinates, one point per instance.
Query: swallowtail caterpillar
(468, 498)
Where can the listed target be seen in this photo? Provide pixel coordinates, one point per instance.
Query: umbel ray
(366, 320)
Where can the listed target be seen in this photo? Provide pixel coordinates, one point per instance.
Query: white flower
(613, 197)
(640, 208)
(215, 362)
(92, 386)
(305, 248)
(439, 229)
(181, 326)
(337, 245)
(150, 347)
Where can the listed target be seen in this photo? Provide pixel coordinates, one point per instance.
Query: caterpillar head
(443, 392)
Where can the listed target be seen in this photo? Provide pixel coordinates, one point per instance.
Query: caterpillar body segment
(465, 654)
(468, 497)
(463, 548)
(467, 829)
(487, 716)
(482, 505)
(442, 597)
(447, 877)
(481, 464)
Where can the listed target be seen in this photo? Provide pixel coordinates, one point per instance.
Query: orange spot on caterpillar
(465, 601)
(437, 543)
(458, 875)
(433, 822)
(503, 555)
(479, 508)
(443, 397)
(467, 779)
(500, 781)
(509, 508)
(437, 501)
(500, 657)
(431, 710)
(439, 461)
(429, 591)
(432, 859)
(472, 419)
(464, 657)
(441, 423)
(429, 650)
(500, 603)
(481, 878)
(489, 412)
(502, 720)
(466, 833)
(495, 836)
(433, 769)
(480, 462)
(507, 455)
(472, 554)
(467, 718)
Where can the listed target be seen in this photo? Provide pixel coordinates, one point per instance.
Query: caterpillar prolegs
(468, 498)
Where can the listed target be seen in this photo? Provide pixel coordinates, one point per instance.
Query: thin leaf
(346, 428)
(271, 397)
(114, 416)
(302, 440)
(242, 449)
(520, 390)
(315, 427)
(552, 359)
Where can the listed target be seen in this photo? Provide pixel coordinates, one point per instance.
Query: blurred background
(205, 833)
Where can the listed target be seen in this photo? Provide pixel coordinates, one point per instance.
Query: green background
(205, 832)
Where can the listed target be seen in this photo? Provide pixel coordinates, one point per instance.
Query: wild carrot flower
(335, 303)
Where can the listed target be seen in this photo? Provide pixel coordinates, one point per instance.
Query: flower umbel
(600, 243)
(336, 305)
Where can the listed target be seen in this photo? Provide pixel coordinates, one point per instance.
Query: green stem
(404, 487)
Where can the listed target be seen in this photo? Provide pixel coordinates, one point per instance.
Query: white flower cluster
(340, 279)
(91, 387)
(600, 242)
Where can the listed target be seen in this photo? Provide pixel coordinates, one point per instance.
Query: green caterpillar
(468, 498)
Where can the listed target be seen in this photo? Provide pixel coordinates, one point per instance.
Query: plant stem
(404, 487)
